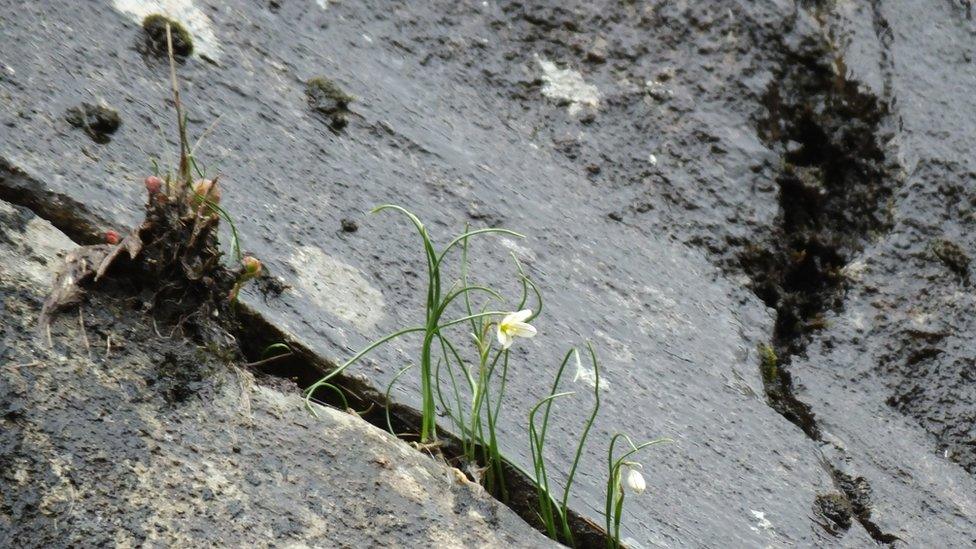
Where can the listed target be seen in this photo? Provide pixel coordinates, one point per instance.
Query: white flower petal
(521, 329)
(520, 316)
(635, 481)
(504, 339)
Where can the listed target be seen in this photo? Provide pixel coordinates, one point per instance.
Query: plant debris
(173, 257)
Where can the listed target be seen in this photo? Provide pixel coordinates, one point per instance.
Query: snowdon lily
(635, 480)
(514, 325)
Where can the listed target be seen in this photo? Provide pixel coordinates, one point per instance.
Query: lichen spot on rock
(326, 99)
(953, 256)
(337, 287)
(567, 87)
(154, 27)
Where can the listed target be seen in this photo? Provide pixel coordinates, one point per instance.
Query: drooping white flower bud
(635, 481)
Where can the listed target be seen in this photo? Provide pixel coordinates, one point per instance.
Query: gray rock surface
(148, 441)
(655, 153)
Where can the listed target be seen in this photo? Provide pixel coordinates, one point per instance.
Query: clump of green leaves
(476, 376)
(433, 329)
(555, 513)
(618, 485)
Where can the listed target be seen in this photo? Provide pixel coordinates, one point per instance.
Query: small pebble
(349, 225)
(98, 121)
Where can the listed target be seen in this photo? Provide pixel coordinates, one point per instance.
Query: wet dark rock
(836, 510)
(98, 121)
(953, 256)
(328, 100)
(832, 139)
(154, 29)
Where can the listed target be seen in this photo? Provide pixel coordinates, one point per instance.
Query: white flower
(514, 325)
(635, 480)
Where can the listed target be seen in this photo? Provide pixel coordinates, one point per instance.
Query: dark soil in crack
(834, 197)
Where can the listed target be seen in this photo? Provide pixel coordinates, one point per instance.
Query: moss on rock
(953, 256)
(154, 27)
(329, 101)
(768, 363)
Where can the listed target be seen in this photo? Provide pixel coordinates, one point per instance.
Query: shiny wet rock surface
(696, 180)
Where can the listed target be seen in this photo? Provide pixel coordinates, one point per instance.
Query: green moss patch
(329, 101)
(154, 27)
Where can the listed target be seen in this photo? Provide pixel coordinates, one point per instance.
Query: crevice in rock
(304, 367)
(882, 30)
(835, 511)
(857, 492)
(65, 213)
(834, 197)
(294, 371)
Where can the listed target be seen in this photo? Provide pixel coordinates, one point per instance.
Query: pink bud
(205, 188)
(154, 184)
(112, 237)
(252, 266)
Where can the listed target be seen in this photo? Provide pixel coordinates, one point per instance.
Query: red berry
(112, 237)
(154, 184)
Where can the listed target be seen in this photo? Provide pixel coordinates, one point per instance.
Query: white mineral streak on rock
(567, 85)
(337, 287)
(761, 521)
(520, 251)
(185, 12)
